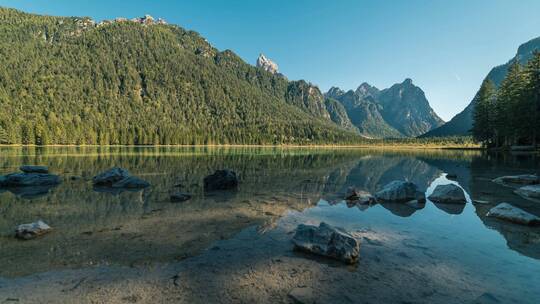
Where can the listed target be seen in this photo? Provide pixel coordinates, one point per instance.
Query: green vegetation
(510, 115)
(66, 81)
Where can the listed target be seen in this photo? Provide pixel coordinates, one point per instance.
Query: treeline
(510, 115)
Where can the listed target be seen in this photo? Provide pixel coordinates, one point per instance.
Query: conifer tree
(483, 114)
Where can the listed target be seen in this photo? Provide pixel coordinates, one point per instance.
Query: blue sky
(446, 47)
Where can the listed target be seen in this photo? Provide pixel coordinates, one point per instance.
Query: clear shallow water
(277, 185)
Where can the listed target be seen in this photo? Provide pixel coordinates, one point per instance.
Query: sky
(446, 46)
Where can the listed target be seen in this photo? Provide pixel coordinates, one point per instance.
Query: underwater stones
(32, 230)
(507, 212)
(221, 180)
(448, 194)
(529, 192)
(180, 197)
(34, 169)
(29, 180)
(119, 178)
(525, 179)
(400, 191)
(326, 240)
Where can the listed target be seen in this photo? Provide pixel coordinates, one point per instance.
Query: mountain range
(461, 124)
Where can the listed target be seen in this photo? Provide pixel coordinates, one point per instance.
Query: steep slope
(399, 111)
(405, 107)
(461, 124)
(71, 81)
(364, 113)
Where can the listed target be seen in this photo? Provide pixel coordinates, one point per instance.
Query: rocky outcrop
(448, 194)
(221, 180)
(525, 179)
(529, 192)
(328, 241)
(510, 213)
(32, 230)
(118, 178)
(400, 191)
(267, 64)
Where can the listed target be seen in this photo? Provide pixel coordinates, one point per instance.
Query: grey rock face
(119, 178)
(510, 213)
(529, 192)
(180, 197)
(29, 180)
(221, 180)
(34, 169)
(267, 64)
(32, 230)
(448, 194)
(326, 240)
(400, 191)
(525, 179)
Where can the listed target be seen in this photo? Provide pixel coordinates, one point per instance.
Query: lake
(234, 246)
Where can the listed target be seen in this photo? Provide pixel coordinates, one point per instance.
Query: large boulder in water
(221, 180)
(119, 178)
(510, 213)
(400, 191)
(29, 180)
(529, 192)
(32, 230)
(525, 179)
(328, 241)
(448, 194)
(34, 169)
(359, 197)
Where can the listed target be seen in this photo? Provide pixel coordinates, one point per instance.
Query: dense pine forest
(71, 81)
(510, 115)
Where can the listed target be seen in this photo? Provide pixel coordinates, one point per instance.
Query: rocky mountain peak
(267, 64)
(365, 90)
(334, 92)
(407, 81)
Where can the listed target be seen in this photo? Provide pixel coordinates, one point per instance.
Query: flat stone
(34, 169)
(131, 182)
(525, 179)
(29, 179)
(510, 213)
(328, 241)
(531, 191)
(400, 191)
(448, 194)
(32, 230)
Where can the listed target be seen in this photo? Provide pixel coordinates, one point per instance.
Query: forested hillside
(70, 81)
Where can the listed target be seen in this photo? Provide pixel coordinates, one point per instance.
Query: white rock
(510, 213)
(267, 64)
(32, 230)
(448, 194)
(400, 191)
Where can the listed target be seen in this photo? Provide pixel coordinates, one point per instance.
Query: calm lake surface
(279, 187)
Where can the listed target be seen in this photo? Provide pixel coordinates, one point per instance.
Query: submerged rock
(510, 213)
(400, 191)
(221, 180)
(448, 194)
(119, 178)
(29, 180)
(34, 169)
(525, 179)
(529, 192)
(32, 230)
(326, 240)
(180, 197)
